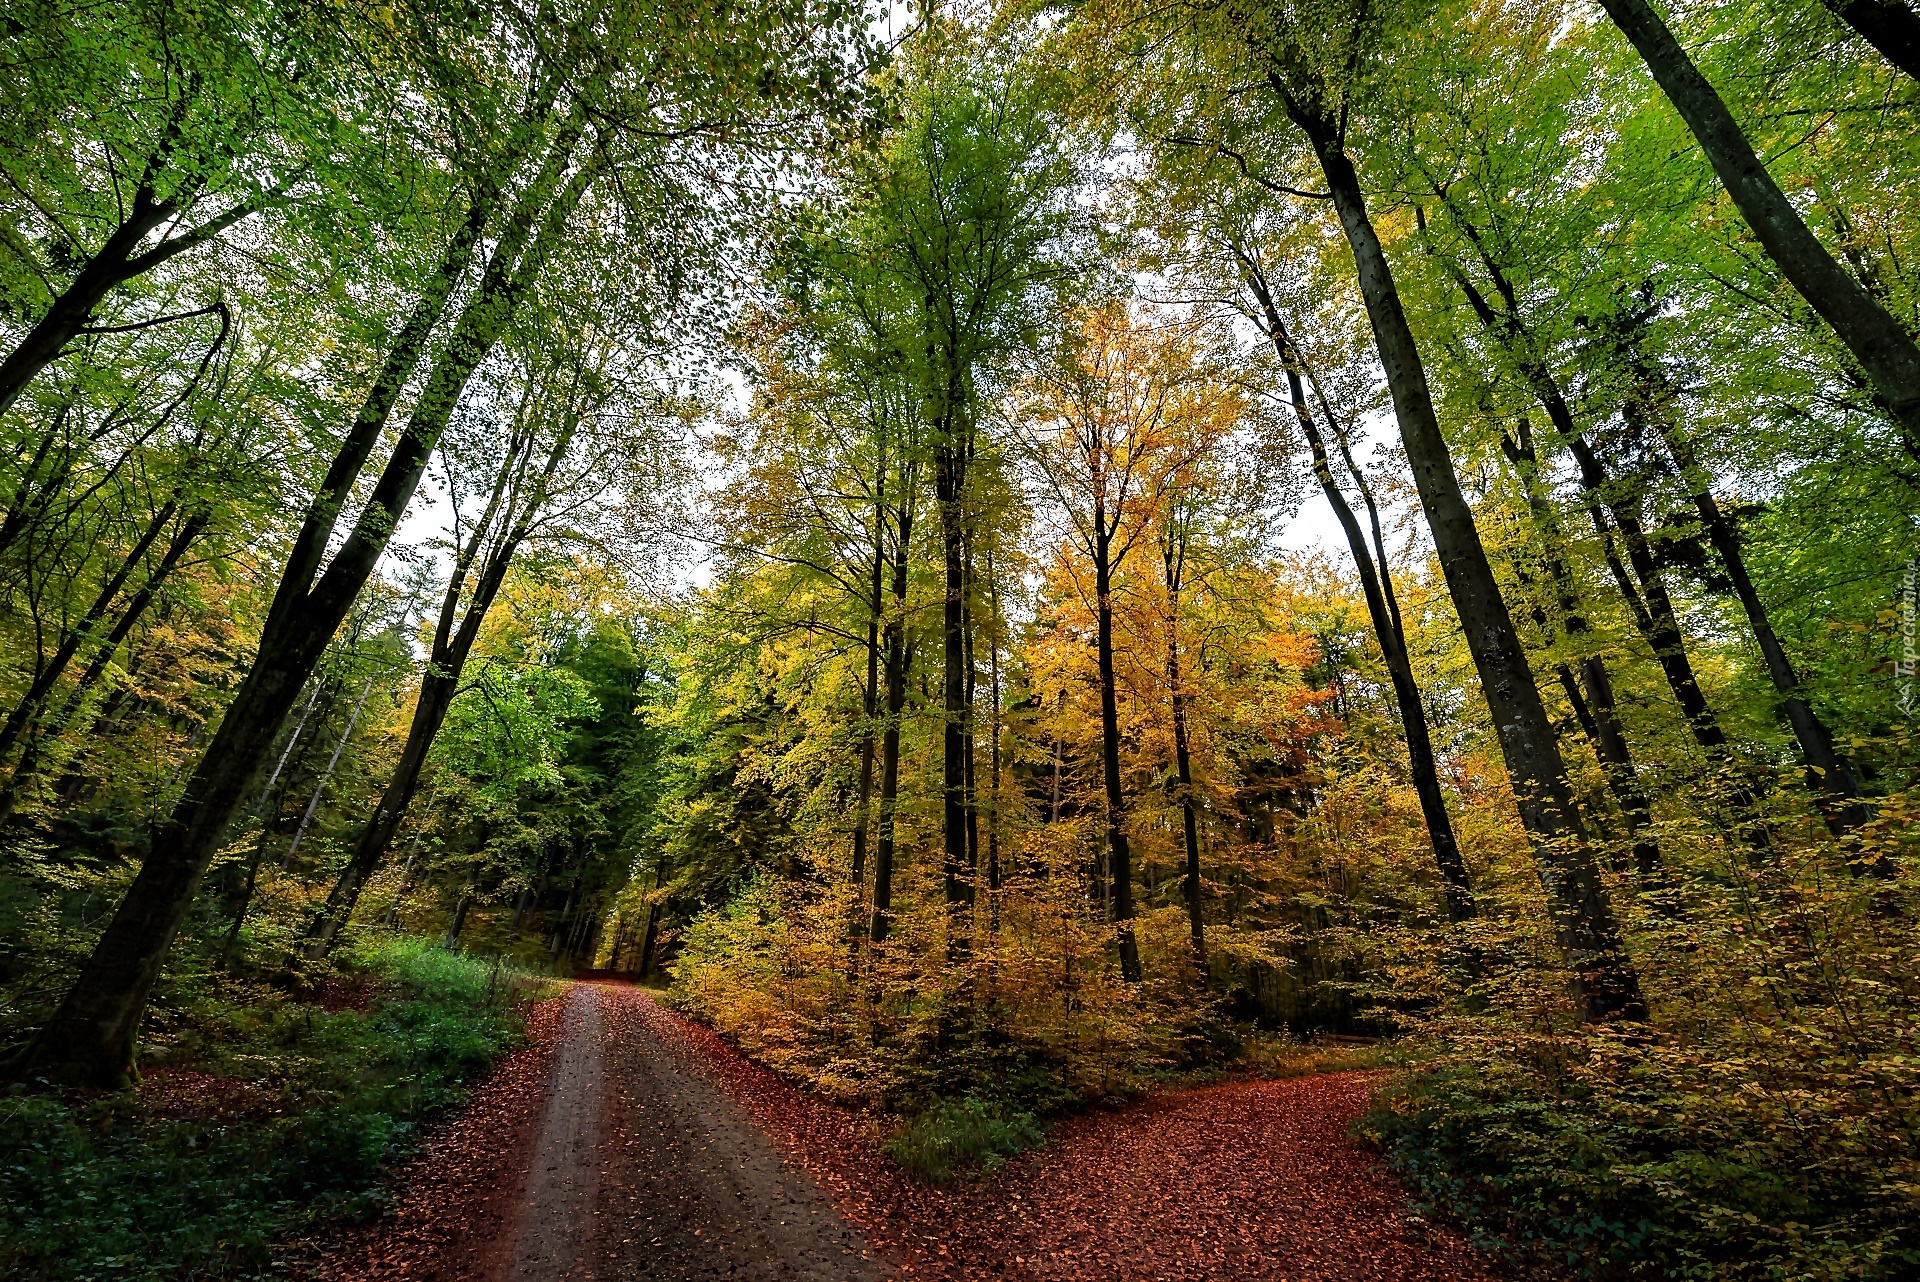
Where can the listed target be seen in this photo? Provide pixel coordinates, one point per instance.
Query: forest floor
(627, 1142)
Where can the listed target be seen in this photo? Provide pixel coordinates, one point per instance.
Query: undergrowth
(292, 1117)
(1604, 1158)
(974, 1134)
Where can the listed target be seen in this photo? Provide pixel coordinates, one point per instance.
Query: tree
(1120, 417)
(560, 136)
(1310, 68)
(1885, 351)
(1376, 584)
(957, 222)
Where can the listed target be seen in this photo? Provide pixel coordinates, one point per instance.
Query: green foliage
(1619, 1159)
(507, 730)
(281, 1115)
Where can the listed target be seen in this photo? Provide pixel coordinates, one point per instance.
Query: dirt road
(628, 1142)
(606, 1150)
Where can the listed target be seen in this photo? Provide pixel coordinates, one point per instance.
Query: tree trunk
(184, 538)
(1600, 717)
(1183, 764)
(1600, 721)
(950, 483)
(1120, 861)
(870, 692)
(993, 727)
(90, 1039)
(1884, 350)
(896, 645)
(320, 787)
(407, 877)
(1890, 26)
(653, 920)
(1830, 776)
(53, 669)
(459, 921)
(513, 505)
(1376, 587)
(1608, 985)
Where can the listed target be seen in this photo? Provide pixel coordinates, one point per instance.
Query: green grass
(971, 1135)
(108, 1189)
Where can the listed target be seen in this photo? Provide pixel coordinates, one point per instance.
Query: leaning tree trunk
(90, 1039)
(1387, 627)
(1589, 936)
(1599, 715)
(1890, 26)
(326, 776)
(523, 501)
(55, 667)
(1600, 721)
(1885, 351)
(1831, 775)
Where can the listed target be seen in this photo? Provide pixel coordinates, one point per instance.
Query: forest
(1005, 557)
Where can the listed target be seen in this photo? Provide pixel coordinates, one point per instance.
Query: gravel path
(629, 1142)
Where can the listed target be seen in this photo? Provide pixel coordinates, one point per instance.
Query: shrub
(974, 1133)
(1615, 1159)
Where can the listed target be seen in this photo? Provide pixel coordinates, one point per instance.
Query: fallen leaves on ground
(1248, 1182)
(1254, 1180)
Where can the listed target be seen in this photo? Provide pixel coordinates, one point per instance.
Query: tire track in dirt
(554, 1227)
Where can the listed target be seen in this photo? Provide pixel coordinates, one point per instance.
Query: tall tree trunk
(118, 261)
(1831, 777)
(184, 537)
(267, 821)
(1646, 596)
(407, 878)
(1173, 560)
(326, 775)
(1600, 721)
(91, 1037)
(993, 727)
(55, 667)
(1885, 351)
(870, 692)
(1589, 936)
(459, 921)
(1600, 717)
(950, 484)
(1376, 587)
(896, 645)
(971, 700)
(1120, 861)
(1059, 755)
(515, 502)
